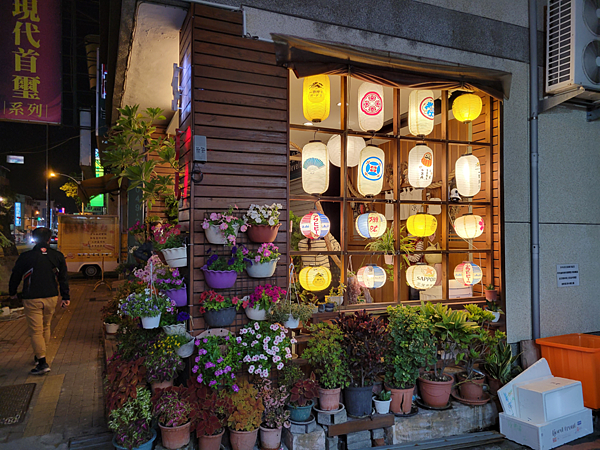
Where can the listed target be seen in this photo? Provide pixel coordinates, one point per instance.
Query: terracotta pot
(175, 437)
(270, 438)
(491, 295)
(436, 393)
(494, 385)
(161, 385)
(242, 440)
(401, 400)
(329, 399)
(263, 233)
(211, 442)
(471, 389)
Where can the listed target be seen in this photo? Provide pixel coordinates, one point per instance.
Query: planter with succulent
(246, 417)
(131, 423)
(163, 363)
(258, 304)
(168, 240)
(491, 293)
(328, 358)
(500, 366)
(263, 222)
(172, 409)
(264, 261)
(219, 311)
(493, 307)
(290, 314)
(220, 272)
(264, 347)
(217, 361)
(303, 392)
(275, 415)
(336, 294)
(382, 402)
(210, 410)
(412, 346)
(222, 229)
(366, 345)
(173, 323)
(148, 305)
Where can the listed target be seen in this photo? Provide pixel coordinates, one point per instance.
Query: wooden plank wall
(235, 95)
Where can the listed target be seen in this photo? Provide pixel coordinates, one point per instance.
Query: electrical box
(200, 149)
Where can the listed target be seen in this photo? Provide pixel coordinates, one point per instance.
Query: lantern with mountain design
(420, 166)
(371, 276)
(315, 168)
(468, 175)
(314, 225)
(370, 170)
(421, 276)
(370, 107)
(371, 225)
(421, 112)
(468, 273)
(354, 145)
(316, 98)
(315, 278)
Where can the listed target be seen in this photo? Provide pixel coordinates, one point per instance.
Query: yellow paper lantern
(421, 276)
(315, 278)
(420, 166)
(370, 107)
(371, 225)
(468, 273)
(354, 144)
(467, 107)
(469, 226)
(315, 168)
(371, 276)
(316, 98)
(468, 175)
(370, 170)
(421, 225)
(421, 112)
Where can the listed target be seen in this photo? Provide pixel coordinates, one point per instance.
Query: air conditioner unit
(573, 45)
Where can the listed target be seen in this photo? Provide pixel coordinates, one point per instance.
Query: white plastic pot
(176, 257)
(150, 322)
(262, 270)
(382, 406)
(291, 322)
(111, 328)
(255, 313)
(215, 235)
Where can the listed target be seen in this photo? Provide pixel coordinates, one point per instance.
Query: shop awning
(100, 185)
(308, 57)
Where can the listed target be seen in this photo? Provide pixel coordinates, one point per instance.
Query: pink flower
(243, 228)
(231, 238)
(267, 253)
(214, 216)
(205, 224)
(223, 226)
(228, 219)
(257, 258)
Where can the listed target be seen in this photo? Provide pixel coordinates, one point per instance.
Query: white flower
(276, 358)
(251, 331)
(244, 344)
(263, 357)
(287, 350)
(247, 359)
(280, 366)
(251, 369)
(253, 343)
(271, 221)
(238, 339)
(288, 356)
(293, 341)
(255, 358)
(256, 326)
(275, 349)
(274, 327)
(279, 206)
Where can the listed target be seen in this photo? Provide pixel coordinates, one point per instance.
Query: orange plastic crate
(577, 357)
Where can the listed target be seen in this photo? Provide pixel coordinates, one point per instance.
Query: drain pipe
(533, 148)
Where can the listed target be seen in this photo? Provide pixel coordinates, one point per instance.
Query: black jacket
(40, 268)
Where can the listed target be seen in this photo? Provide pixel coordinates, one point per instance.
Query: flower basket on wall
(176, 257)
(219, 279)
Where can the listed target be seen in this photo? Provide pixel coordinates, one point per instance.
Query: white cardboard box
(548, 399)
(547, 435)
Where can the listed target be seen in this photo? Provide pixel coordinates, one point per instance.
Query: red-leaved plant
(210, 408)
(122, 379)
(171, 406)
(304, 391)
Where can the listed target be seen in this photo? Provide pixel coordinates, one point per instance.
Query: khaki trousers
(39, 312)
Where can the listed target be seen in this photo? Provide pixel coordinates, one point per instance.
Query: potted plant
(494, 308)
(290, 314)
(382, 402)
(185, 345)
(385, 243)
(491, 293)
(258, 304)
(217, 361)
(223, 228)
(111, 324)
(275, 415)
(210, 411)
(412, 346)
(365, 344)
(172, 409)
(326, 355)
(164, 278)
(131, 423)
(264, 346)
(263, 222)
(220, 272)
(148, 305)
(162, 363)
(173, 323)
(500, 365)
(246, 417)
(264, 261)
(303, 392)
(219, 311)
(168, 239)
(336, 294)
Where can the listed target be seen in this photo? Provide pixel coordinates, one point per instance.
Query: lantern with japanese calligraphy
(468, 175)
(315, 278)
(316, 98)
(469, 226)
(421, 112)
(370, 107)
(354, 145)
(371, 276)
(314, 225)
(467, 107)
(370, 170)
(421, 224)
(468, 273)
(421, 276)
(371, 225)
(315, 168)
(420, 166)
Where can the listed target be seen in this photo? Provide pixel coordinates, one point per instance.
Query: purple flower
(231, 261)
(235, 388)
(209, 364)
(220, 360)
(199, 379)
(212, 383)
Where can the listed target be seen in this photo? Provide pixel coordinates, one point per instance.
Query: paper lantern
(370, 170)
(421, 276)
(370, 107)
(468, 175)
(421, 112)
(468, 273)
(316, 98)
(467, 107)
(371, 225)
(354, 145)
(371, 276)
(315, 168)
(469, 226)
(420, 166)
(315, 278)
(421, 225)
(314, 225)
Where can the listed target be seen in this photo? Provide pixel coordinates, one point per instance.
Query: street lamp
(52, 175)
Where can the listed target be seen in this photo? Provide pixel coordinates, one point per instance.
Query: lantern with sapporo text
(421, 276)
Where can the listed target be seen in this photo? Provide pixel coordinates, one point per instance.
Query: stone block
(377, 433)
(332, 419)
(378, 442)
(359, 445)
(358, 436)
(306, 441)
(302, 429)
(332, 443)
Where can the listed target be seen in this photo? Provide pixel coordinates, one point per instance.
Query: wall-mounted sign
(17, 214)
(15, 159)
(567, 275)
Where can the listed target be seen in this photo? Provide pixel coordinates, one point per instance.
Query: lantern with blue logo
(370, 170)
(315, 278)
(468, 273)
(371, 276)
(315, 168)
(370, 107)
(371, 225)
(421, 112)
(314, 225)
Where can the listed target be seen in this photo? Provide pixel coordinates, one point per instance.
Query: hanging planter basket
(179, 296)
(186, 350)
(262, 270)
(173, 330)
(150, 322)
(292, 323)
(215, 235)
(219, 279)
(256, 314)
(176, 257)
(220, 318)
(262, 233)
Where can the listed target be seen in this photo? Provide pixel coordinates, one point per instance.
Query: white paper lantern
(316, 94)
(468, 273)
(371, 225)
(421, 112)
(354, 145)
(314, 225)
(421, 276)
(370, 107)
(370, 170)
(469, 226)
(468, 175)
(371, 276)
(420, 166)
(315, 168)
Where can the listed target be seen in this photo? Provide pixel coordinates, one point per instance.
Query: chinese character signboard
(30, 79)
(17, 214)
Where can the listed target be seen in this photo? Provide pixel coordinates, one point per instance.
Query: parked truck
(89, 242)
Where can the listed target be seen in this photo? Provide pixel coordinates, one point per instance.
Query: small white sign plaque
(567, 275)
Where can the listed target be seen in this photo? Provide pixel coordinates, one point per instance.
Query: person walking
(41, 269)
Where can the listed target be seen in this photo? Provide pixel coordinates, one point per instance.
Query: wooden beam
(368, 423)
